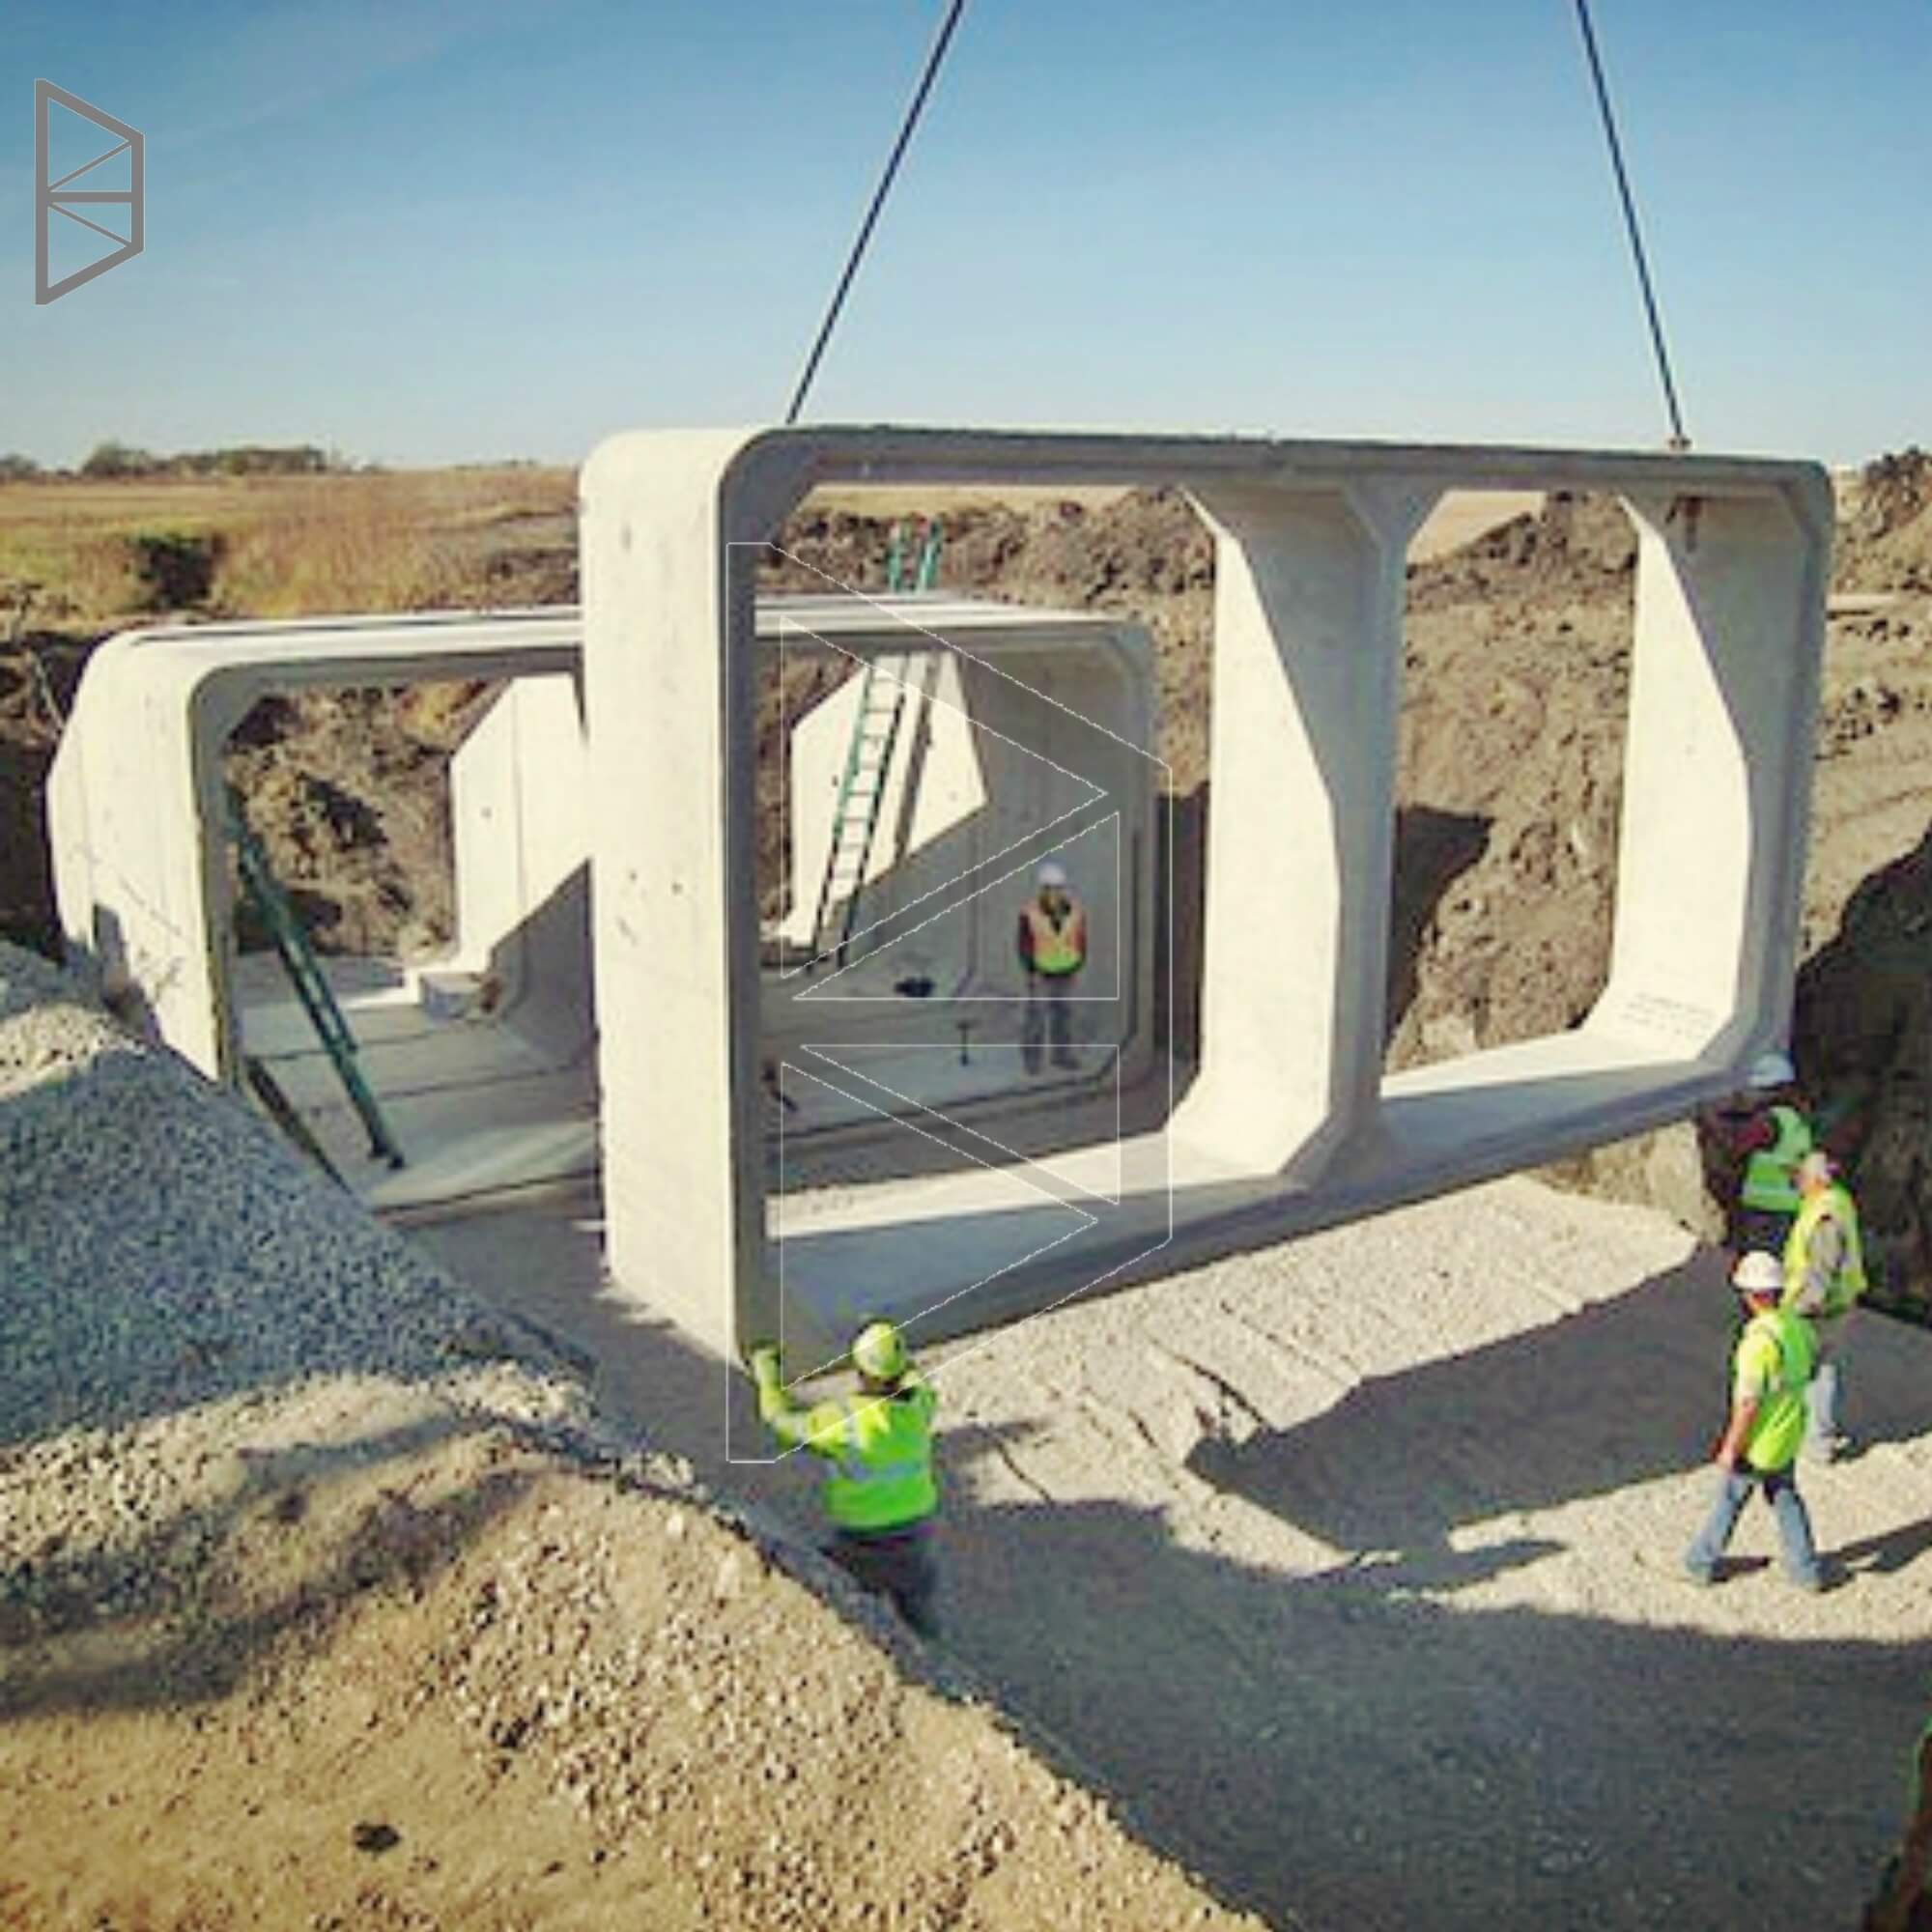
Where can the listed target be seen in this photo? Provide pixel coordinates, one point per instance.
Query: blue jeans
(1825, 1391)
(1794, 1523)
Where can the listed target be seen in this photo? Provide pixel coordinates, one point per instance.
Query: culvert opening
(1518, 636)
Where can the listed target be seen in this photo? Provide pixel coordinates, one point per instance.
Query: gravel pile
(182, 1295)
(281, 1513)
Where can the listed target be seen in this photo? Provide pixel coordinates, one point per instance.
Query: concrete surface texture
(1287, 1123)
(1350, 1563)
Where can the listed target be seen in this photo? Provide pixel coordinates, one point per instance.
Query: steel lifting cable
(1678, 439)
(933, 64)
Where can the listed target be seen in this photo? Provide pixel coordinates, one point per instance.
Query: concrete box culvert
(1025, 736)
(1288, 1122)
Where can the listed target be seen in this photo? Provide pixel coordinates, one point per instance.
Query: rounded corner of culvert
(764, 475)
(1814, 503)
(626, 457)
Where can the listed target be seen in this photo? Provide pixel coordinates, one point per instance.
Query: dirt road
(1351, 1565)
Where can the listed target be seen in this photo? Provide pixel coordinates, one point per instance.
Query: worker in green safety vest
(1763, 1133)
(1823, 1278)
(1903, 1903)
(1760, 1442)
(879, 1491)
(1052, 944)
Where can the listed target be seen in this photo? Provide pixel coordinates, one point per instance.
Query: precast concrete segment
(484, 1058)
(1290, 1127)
(1308, 614)
(520, 839)
(137, 819)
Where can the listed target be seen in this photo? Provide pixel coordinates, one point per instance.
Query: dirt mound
(1864, 1029)
(469, 1686)
(1884, 526)
(349, 793)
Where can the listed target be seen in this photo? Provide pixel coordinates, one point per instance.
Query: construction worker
(1764, 1132)
(1052, 941)
(1824, 1277)
(1771, 1371)
(1903, 1903)
(879, 1491)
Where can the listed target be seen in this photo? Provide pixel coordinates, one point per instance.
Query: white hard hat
(1758, 1273)
(1769, 1070)
(1816, 1169)
(1051, 874)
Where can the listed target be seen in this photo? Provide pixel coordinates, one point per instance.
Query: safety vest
(1777, 1430)
(1849, 1283)
(880, 1461)
(1056, 950)
(1771, 1175)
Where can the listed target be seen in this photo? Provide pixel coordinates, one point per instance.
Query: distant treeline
(112, 460)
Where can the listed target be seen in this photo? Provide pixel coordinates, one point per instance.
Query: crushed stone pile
(174, 1277)
(328, 1600)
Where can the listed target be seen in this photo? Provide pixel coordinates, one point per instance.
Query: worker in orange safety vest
(1052, 942)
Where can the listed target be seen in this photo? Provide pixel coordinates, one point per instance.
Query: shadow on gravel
(1581, 1406)
(144, 1625)
(1342, 1749)
(1895, 1549)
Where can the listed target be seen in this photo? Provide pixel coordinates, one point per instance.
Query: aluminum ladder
(876, 725)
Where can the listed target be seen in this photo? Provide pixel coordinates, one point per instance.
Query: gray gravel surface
(183, 1298)
(1352, 1565)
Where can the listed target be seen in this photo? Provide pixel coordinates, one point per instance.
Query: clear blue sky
(437, 233)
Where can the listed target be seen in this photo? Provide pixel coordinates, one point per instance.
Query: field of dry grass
(75, 556)
(78, 557)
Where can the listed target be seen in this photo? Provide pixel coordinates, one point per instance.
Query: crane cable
(1678, 439)
(940, 43)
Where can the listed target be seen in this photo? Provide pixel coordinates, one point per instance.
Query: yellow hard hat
(879, 1351)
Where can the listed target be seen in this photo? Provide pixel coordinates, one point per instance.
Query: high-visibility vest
(1849, 1283)
(1056, 950)
(879, 1473)
(1777, 1430)
(1771, 1175)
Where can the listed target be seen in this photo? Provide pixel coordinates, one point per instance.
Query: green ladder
(305, 974)
(869, 761)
